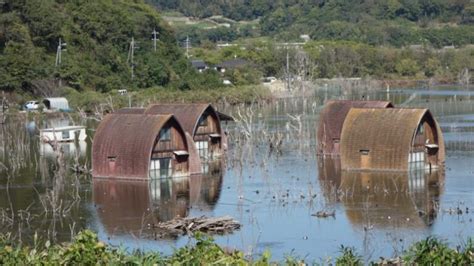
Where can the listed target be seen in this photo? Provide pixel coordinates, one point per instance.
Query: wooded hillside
(98, 36)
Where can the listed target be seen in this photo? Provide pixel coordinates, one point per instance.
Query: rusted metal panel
(132, 111)
(200, 120)
(187, 114)
(332, 118)
(382, 139)
(125, 143)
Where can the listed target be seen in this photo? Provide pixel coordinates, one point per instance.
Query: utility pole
(59, 51)
(155, 39)
(131, 56)
(287, 70)
(187, 46)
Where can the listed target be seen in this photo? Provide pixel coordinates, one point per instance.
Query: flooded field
(270, 180)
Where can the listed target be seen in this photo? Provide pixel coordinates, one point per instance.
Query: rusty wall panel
(332, 118)
(189, 115)
(130, 111)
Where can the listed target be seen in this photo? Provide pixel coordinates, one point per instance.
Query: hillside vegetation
(392, 22)
(98, 36)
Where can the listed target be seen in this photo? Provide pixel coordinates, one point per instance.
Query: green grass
(89, 100)
(86, 249)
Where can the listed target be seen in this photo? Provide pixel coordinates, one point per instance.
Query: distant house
(142, 147)
(391, 139)
(199, 65)
(232, 64)
(331, 120)
(56, 104)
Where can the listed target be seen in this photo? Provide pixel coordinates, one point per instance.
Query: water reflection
(383, 199)
(131, 207)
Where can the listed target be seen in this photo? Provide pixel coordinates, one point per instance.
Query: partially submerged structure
(56, 104)
(142, 147)
(201, 121)
(63, 134)
(331, 120)
(393, 139)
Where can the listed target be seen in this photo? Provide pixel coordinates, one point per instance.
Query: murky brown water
(272, 189)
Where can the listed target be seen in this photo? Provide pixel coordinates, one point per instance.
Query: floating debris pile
(189, 225)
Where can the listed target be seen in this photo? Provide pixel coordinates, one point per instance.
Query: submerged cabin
(331, 121)
(63, 134)
(142, 147)
(56, 104)
(392, 139)
(201, 121)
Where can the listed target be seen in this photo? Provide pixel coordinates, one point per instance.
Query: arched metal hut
(394, 139)
(201, 121)
(142, 147)
(131, 111)
(331, 121)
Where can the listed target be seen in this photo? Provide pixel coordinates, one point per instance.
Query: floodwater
(271, 181)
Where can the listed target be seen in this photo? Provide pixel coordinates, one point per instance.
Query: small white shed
(63, 134)
(57, 104)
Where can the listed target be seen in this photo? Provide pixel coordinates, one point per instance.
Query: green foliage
(98, 35)
(407, 67)
(91, 101)
(433, 251)
(352, 59)
(393, 22)
(87, 249)
(348, 257)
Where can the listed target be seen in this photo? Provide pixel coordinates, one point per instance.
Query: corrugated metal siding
(386, 134)
(132, 111)
(332, 118)
(187, 114)
(58, 103)
(123, 145)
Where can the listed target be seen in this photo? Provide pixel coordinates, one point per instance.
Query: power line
(131, 56)
(155, 39)
(59, 51)
(188, 46)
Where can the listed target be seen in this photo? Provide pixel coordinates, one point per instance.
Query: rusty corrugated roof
(332, 118)
(131, 110)
(127, 140)
(187, 114)
(386, 133)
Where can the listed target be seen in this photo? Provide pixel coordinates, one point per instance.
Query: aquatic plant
(434, 251)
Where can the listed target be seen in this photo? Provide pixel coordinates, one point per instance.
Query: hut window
(66, 134)
(203, 148)
(160, 167)
(165, 134)
(364, 152)
(111, 160)
(203, 121)
(421, 129)
(336, 140)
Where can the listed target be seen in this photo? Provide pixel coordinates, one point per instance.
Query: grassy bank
(86, 249)
(89, 100)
